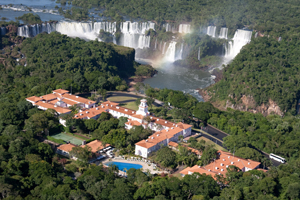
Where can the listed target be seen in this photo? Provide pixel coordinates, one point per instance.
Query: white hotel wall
(141, 151)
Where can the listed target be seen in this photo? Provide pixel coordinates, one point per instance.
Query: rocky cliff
(247, 103)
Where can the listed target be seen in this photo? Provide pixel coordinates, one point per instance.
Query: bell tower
(143, 108)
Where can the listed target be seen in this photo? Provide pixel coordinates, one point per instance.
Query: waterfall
(155, 45)
(255, 36)
(144, 42)
(211, 31)
(168, 27)
(279, 39)
(179, 57)
(171, 51)
(241, 38)
(132, 33)
(184, 28)
(164, 47)
(77, 29)
(223, 33)
(160, 45)
(3, 31)
(33, 30)
(199, 54)
(110, 27)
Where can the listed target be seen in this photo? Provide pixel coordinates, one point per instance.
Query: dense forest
(265, 69)
(30, 169)
(272, 134)
(266, 16)
(59, 61)
(30, 18)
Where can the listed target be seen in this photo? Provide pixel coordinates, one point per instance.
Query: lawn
(68, 138)
(120, 98)
(130, 105)
(209, 142)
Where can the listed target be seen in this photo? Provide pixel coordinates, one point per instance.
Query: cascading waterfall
(184, 28)
(179, 57)
(168, 27)
(279, 39)
(110, 27)
(133, 33)
(33, 30)
(160, 45)
(223, 33)
(241, 38)
(211, 31)
(77, 29)
(155, 45)
(199, 54)
(171, 52)
(255, 36)
(3, 31)
(164, 47)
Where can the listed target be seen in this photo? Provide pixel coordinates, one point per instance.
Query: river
(169, 75)
(178, 78)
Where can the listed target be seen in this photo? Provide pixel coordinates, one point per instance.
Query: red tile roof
(95, 145)
(58, 109)
(66, 147)
(48, 97)
(34, 99)
(220, 165)
(158, 137)
(90, 113)
(173, 144)
(133, 123)
(60, 91)
(78, 99)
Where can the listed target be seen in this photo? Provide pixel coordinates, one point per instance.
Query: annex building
(165, 131)
(220, 165)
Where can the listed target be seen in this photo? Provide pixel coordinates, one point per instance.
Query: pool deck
(145, 168)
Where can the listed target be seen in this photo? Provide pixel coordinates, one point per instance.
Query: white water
(77, 29)
(110, 27)
(240, 39)
(199, 54)
(155, 45)
(279, 39)
(170, 53)
(223, 33)
(168, 27)
(211, 31)
(164, 47)
(33, 30)
(133, 33)
(184, 28)
(180, 53)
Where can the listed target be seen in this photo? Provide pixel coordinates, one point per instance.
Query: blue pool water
(121, 165)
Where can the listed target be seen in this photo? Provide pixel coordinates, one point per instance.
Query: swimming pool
(121, 166)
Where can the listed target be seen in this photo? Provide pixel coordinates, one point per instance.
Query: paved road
(215, 132)
(220, 135)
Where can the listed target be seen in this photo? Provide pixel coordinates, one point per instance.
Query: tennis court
(68, 138)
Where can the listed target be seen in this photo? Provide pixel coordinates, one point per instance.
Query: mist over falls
(135, 35)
